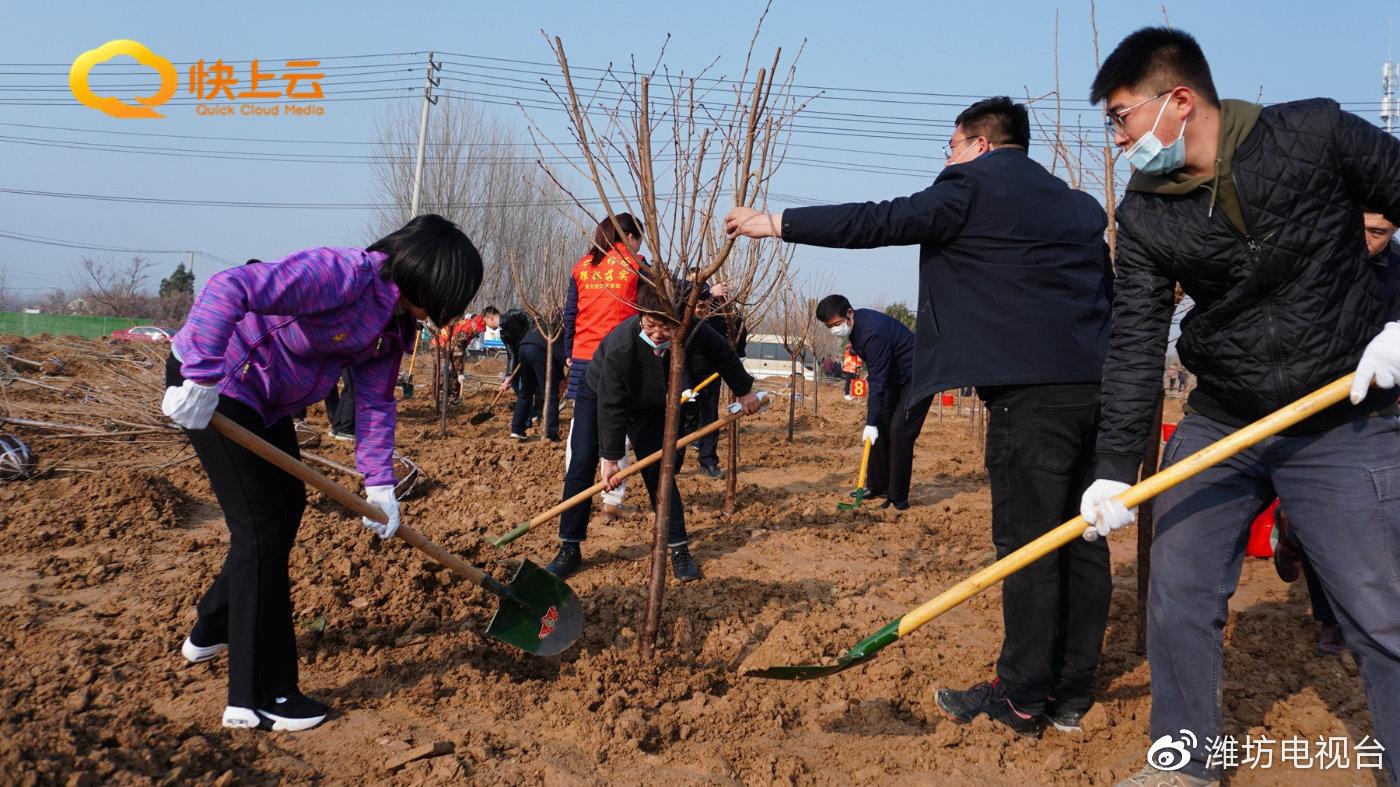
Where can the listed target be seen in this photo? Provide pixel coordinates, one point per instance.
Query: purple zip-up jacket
(276, 336)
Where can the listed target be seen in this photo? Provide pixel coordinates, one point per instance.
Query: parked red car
(143, 333)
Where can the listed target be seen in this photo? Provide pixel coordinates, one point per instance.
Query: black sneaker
(712, 471)
(683, 565)
(1063, 717)
(898, 505)
(294, 713)
(567, 561)
(989, 698)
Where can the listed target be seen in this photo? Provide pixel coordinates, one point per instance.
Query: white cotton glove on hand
(870, 435)
(1379, 363)
(1103, 512)
(383, 497)
(191, 405)
(687, 395)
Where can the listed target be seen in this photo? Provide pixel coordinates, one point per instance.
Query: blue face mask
(653, 345)
(1150, 156)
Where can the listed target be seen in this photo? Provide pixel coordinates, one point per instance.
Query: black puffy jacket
(1280, 311)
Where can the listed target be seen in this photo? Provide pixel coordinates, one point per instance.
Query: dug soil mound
(99, 574)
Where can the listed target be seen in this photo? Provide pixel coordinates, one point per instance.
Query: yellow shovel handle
(864, 463)
(1137, 494)
(696, 389)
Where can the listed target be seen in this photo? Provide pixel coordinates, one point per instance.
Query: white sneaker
(849, 397)
(194, 654)
(241, 718)
(517, 436)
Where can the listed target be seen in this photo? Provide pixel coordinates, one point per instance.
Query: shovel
(859, 494)
(487, 414)
(695, 392)
(406, 380)
(1131, 497)
(537, 613)
(735, 413)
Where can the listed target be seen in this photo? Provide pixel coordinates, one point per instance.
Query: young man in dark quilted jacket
(1257, 214)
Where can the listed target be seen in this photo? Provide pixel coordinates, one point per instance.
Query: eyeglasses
(1114, 121)
(953, 145)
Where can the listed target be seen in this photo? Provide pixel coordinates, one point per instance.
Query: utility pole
(429, 82)
(191, 266)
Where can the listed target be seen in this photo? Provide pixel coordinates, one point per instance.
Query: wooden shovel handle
(284, 461)
(864, 463)
(500, 391)
(1135, 495)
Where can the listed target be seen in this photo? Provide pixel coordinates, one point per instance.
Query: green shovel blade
(859, 496)
(537, 613)
(863, 651)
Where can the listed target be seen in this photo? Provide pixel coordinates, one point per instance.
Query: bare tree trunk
(549, 419)
(816, 385)
(661, 534)
(792, 401)
(731, 485)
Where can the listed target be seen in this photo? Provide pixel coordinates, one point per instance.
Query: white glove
(1103, 511)
(870, 435)
(687, 395)
(1380, 362)
(383, 497)
(191, 405)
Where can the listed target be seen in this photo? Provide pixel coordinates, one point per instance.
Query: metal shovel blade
(862, 652)
(538, 614)
(859, 496)
(482, 417)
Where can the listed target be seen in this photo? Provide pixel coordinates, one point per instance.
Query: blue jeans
(1341, 489)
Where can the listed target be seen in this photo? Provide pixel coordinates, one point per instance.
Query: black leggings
(249, 604)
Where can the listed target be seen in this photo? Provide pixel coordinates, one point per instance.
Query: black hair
(1155, 60)
(652, 303)
(606, 235)
(252, 262)
(490, 310)
(833, 306)
(999, 119)
(434, 265)
(514, 325)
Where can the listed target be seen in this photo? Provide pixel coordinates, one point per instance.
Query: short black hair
(1155, 59)
(999, 119)
(434, 265)
(832, 306)
(490, 310)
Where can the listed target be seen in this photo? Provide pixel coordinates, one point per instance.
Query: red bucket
(1167, 431)
(948, 400)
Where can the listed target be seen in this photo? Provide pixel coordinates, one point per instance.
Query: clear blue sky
(1290, 49)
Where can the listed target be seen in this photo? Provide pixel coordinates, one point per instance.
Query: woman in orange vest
(602, 293)
(850, 368)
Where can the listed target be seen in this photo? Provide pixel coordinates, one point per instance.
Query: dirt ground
(99, 574)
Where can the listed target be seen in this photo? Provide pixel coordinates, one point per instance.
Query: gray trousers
(1341, 489)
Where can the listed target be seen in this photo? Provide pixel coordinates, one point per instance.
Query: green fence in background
(23, 324)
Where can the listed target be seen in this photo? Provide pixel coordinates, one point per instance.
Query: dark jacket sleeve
(875, 350)
(1132, 373)
(715, 348)
(613, 409)
(570, 314)
(935, 214)
(1369, 159)
(741, 345)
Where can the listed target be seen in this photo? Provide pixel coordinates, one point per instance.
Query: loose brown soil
(99, 575)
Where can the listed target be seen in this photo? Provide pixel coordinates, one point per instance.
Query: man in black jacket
(704, 407)
(628, 377)
(1257, 215)
(1014, 289)
(892, 419)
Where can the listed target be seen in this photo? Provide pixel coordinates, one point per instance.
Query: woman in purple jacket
(262, 342)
